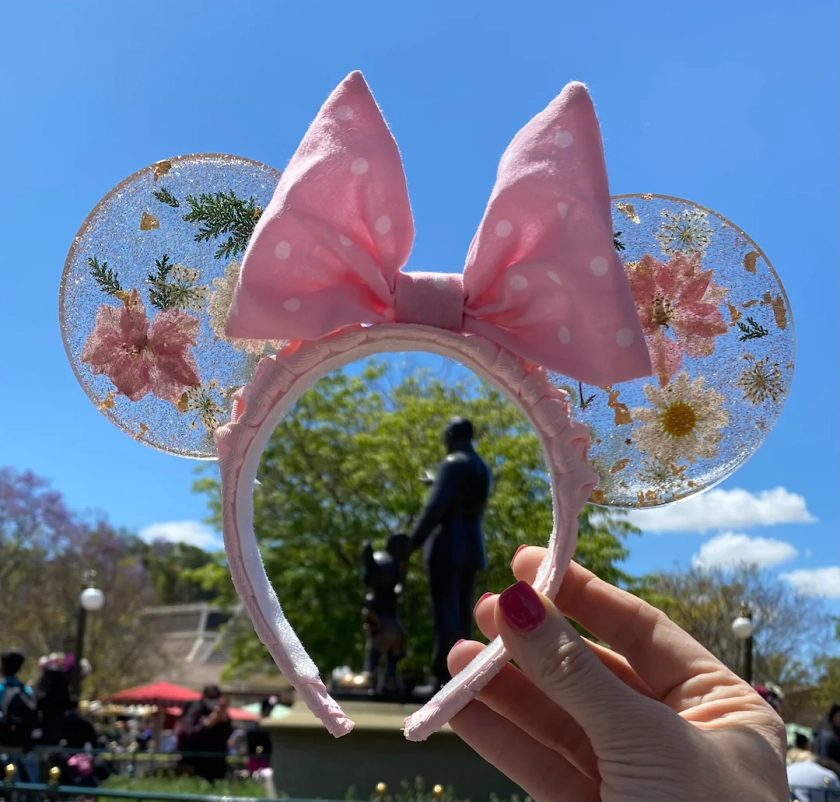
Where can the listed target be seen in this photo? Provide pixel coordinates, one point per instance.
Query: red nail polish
(518, 549)
(482, 598)
(460, 640)
(522, 607)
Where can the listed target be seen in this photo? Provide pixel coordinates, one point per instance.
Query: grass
(186, 785)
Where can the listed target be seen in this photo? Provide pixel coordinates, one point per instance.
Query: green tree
(346, 466)
(787, 624)
(171, 568)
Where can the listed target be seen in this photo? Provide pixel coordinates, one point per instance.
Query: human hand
(659, 718)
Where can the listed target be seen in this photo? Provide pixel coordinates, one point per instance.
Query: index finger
(662, 654)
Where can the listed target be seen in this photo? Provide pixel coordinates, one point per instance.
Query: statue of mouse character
(383, 572)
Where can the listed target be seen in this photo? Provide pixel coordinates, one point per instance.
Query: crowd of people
(45, 716)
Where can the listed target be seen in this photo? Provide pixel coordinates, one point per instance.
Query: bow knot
(430, 299)
(542, 279)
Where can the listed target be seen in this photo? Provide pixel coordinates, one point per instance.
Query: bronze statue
(449, 530)
(383, 572)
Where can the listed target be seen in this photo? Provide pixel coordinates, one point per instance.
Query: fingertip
(461, 654)
(526, 561)
(485, 615)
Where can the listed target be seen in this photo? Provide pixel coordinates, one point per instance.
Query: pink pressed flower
(139, 359)
(682, 297)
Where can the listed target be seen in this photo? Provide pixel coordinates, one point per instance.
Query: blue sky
(733, 105)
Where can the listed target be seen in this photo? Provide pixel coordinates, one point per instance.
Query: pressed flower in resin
(683, 423)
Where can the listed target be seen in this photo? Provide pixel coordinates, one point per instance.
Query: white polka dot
(518, 282)
(564, 335)
(504, 228)
(383, 224)
(625, 337)
(291, 305)
(563, 139)
(554, 277)
(282, 250)
(599, 265)
(344, 112)
(441, 281)
(563, 208)
(359, 166)
(345, 241)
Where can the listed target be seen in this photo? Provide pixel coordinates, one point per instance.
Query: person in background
(20, 726)
(259, 741)
(772, 694)
(827, 735)
(203, 732)
(145, 735)
(809, 779)
(53, 693)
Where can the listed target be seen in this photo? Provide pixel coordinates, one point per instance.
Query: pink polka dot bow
(542, 277)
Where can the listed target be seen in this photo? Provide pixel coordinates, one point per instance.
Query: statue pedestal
(309, 762)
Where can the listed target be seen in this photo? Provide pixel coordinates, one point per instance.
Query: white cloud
(193, 532)
(725, 509)
(731, 549)
(816, 581)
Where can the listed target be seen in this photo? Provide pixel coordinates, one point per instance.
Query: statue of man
(450, 529)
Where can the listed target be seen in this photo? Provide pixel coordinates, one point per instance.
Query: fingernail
(522, 607)
(481, 599)
(460, 640)
(519, 548)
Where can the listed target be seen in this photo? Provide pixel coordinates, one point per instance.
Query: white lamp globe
(742, 627)
(92, 599)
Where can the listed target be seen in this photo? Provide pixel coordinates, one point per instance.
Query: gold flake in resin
(148, 222)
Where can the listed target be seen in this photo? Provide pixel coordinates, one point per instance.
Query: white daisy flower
(683, 423)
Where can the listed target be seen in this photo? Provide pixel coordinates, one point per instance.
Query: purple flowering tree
(44, 551)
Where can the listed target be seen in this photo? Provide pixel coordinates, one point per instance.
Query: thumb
(547, 648)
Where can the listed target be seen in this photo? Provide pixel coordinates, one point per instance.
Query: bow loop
(326, 249)
(542, 271)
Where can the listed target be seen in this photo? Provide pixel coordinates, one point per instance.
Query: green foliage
(751, 330)
(617, 243)
(174, 286)
(159, 292)
(174, 571)
(827, 688)
(220, 213)
(413, 792)
(104, 276)
(157, 784)
(346, 466)
(165, 196)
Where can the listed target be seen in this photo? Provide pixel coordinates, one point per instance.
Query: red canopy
(163, 694)
(172, 696)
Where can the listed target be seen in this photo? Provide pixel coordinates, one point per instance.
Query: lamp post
(742, 628)
(91, 600)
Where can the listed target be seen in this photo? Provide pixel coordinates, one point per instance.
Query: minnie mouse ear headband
(566, 303)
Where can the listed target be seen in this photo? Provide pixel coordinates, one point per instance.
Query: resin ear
(145, 294)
